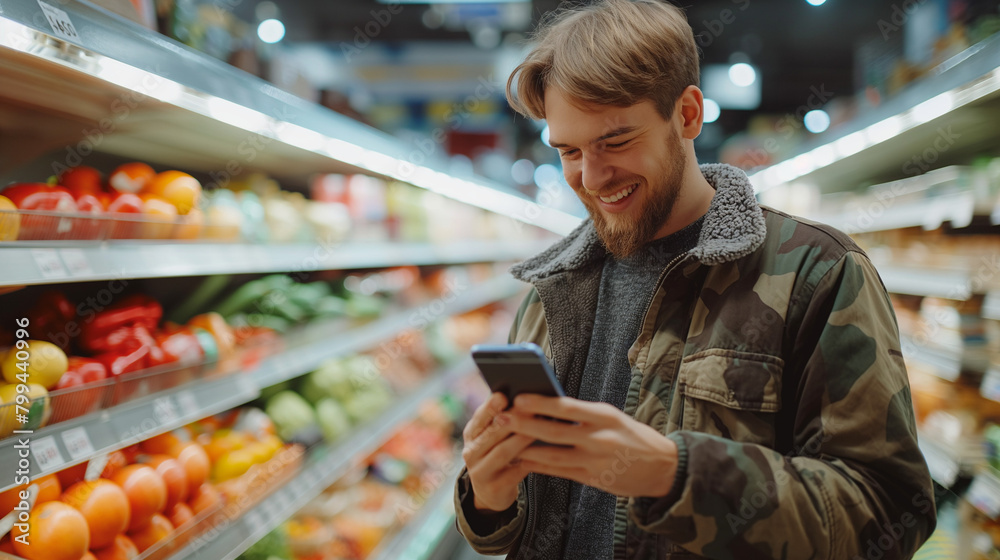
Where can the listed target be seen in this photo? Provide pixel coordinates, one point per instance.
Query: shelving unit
(154, 99)
(323, 467)
(46, 264)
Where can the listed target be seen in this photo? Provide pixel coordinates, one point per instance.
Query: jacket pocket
(731, 394)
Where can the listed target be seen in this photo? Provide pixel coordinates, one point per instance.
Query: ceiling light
(817, 121)
(742, 74)
(271, 31)
(712, 111)
(816, 2)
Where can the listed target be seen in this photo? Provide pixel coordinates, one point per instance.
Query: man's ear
(691, 112)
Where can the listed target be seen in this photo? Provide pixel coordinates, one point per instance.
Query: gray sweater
(627, 287)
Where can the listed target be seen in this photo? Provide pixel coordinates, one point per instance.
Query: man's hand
(610, 450)
(489, 451)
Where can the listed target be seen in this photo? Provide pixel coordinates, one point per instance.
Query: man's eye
(618, 145)
(568, 153)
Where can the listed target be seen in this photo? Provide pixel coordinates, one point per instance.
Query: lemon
(46, 363)
(10, 220)
(39, 409)
(232, 465)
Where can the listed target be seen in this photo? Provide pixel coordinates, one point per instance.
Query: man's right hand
(489, 450)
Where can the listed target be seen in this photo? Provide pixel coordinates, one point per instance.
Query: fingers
(567, 408)
(548, 431)
(554, 456)
(576, 474)
(507, 451)
(483, 416)
(494, 433)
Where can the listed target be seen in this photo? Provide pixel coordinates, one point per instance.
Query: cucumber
(248, 294)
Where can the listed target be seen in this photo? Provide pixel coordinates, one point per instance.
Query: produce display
(360, 512)
(133, 201)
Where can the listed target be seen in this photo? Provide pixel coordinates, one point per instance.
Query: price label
(77, 442)
(165, 411)
(46, 454)
(984, 494)
(60, 22)
(187, 402)
(76, 262)
(49, 264)
(96, 466)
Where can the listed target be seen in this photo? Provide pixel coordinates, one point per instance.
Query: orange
(181, 189)
(146, 491)
(105, 507)
(162, 444)
(56, 532)
(195, 461)
(159, 215)
(159, 528)
(173, 475)
(122, 549)
(180, 515)
(206, 497)
(48, 490)
(10, 220)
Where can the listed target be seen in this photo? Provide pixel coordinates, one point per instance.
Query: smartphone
(513, 369)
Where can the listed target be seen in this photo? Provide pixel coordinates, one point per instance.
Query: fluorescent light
(816, 2)
(712, 111)
(817, 121)
(742, 74)
(933, 108)
(271, 30)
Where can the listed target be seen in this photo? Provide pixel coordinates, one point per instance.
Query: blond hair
(612, 52)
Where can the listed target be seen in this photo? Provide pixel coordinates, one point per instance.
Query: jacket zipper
(620, 549)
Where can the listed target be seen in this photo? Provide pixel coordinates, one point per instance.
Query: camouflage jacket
(770, 353)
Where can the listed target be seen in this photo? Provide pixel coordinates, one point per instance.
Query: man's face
(625, 163)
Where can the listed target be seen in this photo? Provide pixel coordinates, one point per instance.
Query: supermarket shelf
(419, 537)
(109, 84)
(952, 110)
(930, 213)
(318, 344)
(47, 265)
(55, 447)
(323, 467)
(928, 282)
(78, 440)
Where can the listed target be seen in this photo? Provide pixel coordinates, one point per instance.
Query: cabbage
(290, 414)
(333, 420)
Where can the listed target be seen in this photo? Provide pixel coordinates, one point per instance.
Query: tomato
(161, 444)
(127, 225)
(40, 196)
(130, 177)
(57, 532)
(105, 507)
(146, 491)
(81, 179)
(204, 498)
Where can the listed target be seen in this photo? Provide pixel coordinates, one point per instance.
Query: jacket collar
(734, 227)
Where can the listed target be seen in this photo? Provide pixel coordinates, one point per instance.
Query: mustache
(618, 185)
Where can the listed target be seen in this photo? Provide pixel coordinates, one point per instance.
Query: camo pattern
(779, 374)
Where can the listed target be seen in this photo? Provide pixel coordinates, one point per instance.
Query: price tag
(96, 466)
(984, 494)
(49, 264)
(77, 442)
(76, 262)
(165, 411)
(187, 402)
(46, 454)
(59, 20)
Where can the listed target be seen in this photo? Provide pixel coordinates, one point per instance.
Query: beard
(623, 235)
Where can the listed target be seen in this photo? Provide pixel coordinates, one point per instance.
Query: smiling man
(734, 377)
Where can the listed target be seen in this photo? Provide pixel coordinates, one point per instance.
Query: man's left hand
(609, 450)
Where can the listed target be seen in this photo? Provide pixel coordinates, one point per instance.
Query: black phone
(513, 369)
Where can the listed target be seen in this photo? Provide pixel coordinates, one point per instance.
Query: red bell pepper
(81, 179)
(105, 332)
(40, 196)
(50, 316)
(125, 361)
(82, 371)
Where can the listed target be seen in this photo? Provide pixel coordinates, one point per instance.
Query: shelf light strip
(24, 39)
(886, 129)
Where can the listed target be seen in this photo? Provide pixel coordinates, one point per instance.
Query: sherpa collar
(734, 227)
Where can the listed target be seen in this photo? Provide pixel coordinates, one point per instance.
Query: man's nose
(595, 172)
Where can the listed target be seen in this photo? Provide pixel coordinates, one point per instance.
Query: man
(734, 376)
